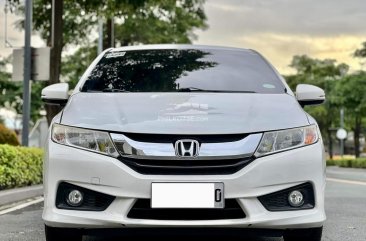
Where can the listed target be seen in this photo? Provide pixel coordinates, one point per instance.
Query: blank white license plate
(187, 195)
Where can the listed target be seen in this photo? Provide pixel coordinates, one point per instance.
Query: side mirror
(309, 95)
(56, 94)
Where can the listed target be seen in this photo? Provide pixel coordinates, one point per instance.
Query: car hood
(184, 113)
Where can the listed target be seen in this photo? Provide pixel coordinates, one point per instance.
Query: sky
(279, 29)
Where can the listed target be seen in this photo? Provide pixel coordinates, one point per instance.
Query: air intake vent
(143, 210)
(186, 167)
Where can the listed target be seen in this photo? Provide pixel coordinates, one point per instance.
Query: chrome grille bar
(224, 150)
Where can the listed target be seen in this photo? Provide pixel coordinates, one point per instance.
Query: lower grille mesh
(186, 167)
(143, 210)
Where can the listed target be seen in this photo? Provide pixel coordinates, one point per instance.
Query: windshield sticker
(115, 54)
(269, 86)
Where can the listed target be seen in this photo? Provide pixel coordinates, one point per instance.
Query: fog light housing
(299, 197)
(296, 198)
(75, 198)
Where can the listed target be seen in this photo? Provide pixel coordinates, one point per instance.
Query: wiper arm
(190, 89)
(194, 89)
(106, 90)
(113, 90)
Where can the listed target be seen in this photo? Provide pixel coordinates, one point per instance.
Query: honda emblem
(187, 148)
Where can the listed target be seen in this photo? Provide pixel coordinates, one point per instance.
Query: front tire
(310, 234)
(62, 234)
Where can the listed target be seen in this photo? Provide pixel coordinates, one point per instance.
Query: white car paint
(182, 113)
(160, 112)
(265, 175)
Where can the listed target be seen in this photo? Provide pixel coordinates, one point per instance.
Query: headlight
(96, 141)
(277, 141)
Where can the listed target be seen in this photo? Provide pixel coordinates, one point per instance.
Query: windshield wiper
(106, 90)
(190, 89)
(194, 89)
(113, 90)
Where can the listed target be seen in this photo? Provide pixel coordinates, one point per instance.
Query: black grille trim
(278, 201)
(168, 138)
(142, 210)
(92, 201)
(187, 167)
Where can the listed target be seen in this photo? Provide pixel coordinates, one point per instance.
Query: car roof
(177, 46)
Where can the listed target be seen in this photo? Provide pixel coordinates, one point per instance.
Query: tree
(74, 65)
(324, 74)
(138, 21)
(315, 71)
(162, 22)
(350, 94)
(361, 52)
(11, 93)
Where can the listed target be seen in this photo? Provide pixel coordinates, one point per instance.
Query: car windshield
(186, 70)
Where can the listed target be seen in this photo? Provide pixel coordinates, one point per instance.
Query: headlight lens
(96, 141)
(286, 139)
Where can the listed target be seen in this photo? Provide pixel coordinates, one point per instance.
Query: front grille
(142, 210)
(186, 166)
(158, 154)
(278, 201)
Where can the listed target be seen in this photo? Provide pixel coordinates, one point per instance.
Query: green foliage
(74, 65)
(162, 22)
(11, 97)
(315, 71)
(354, 163)
(12, 92)
(350, 92)
(8, 136)
(324, 74)
(9, 90)
(20, 166)
(138, 21)
(36, 101)
(360, 53)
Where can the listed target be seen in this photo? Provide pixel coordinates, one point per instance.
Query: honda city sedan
(183, 137)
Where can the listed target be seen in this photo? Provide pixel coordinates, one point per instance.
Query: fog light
(296, 199)
(75, 198)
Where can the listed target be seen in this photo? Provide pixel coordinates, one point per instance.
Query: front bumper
(108, 175)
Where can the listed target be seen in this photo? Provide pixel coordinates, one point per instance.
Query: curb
(20, 194)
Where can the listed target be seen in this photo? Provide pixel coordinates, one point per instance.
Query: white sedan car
(183, 136)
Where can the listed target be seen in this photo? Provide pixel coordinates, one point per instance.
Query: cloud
(282, 28)
(313, 17)
(280, 48)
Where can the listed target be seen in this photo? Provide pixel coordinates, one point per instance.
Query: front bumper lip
(300, 219)
(107, 175)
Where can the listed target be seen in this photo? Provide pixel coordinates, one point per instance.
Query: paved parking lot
(345, 208)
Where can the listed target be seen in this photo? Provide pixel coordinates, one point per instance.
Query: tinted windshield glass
(170, 70)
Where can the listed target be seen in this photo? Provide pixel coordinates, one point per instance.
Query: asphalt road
(345, 208)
